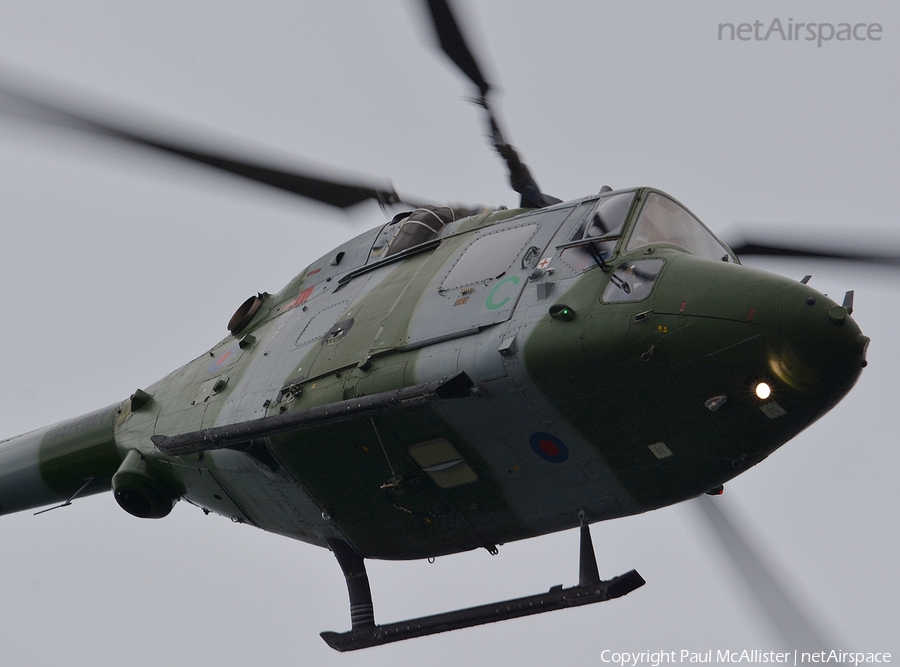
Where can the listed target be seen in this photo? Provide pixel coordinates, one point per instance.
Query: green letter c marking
(490, 298)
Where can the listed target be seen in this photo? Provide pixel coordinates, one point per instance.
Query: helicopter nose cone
(825, 349)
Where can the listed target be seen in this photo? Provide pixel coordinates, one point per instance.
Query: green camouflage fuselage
(618, 403)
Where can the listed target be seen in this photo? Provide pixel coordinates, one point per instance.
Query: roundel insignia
(549, 447)
(224, 358)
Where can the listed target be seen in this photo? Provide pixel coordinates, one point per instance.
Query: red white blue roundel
(228, 355)
(549, 447)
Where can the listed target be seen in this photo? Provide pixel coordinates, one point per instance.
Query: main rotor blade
(752, 244)
(454, 44)
(785, 614)
(342, 194)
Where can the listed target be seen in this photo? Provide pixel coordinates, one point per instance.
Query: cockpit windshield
(663, 220)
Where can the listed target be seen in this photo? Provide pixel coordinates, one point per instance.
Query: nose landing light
(762, 391)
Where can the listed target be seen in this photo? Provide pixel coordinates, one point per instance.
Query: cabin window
(489, 257)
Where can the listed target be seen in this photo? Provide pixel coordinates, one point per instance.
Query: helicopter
(231, 308)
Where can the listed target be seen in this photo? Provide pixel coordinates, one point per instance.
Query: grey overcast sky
(118, 267)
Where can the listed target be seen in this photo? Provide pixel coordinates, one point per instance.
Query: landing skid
(366, 633)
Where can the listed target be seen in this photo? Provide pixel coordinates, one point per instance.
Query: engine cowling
(139, 491)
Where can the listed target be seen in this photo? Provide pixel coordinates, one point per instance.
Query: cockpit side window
(609, 216)
(663, 220)
(599, 228)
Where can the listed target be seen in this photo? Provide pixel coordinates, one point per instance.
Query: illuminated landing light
(763, 391)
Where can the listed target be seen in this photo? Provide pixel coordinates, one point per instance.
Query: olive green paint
(78, 449)
(344, 467)
(629, 375)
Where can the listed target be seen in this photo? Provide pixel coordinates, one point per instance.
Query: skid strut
(365, 633)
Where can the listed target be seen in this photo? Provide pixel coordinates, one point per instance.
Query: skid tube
(365, 633)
